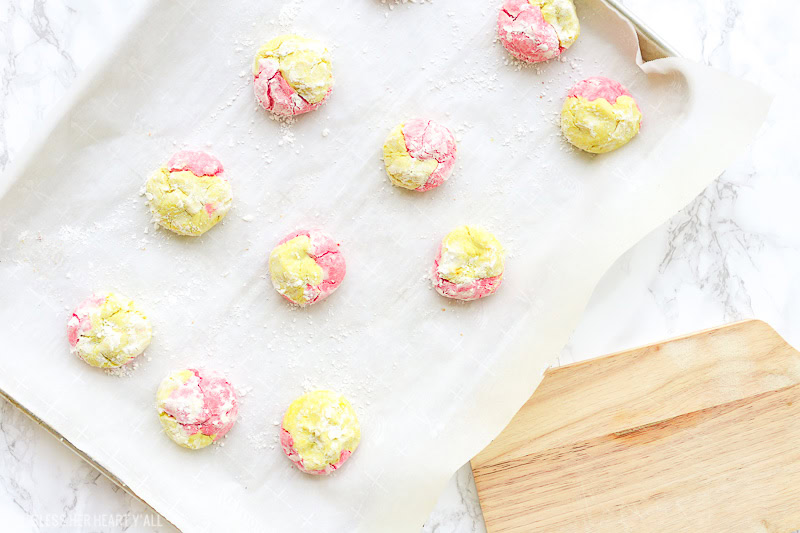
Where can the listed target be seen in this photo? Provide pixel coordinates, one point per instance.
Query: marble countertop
(730, 254)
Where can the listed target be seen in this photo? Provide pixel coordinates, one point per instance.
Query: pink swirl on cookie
(427, 139)
(599, 87)
(81, 322)
(525, 33)
(220, 407)
(198, 163)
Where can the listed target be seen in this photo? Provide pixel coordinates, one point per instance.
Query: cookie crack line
(268, 92)
(184, 424)
(617, 123)
(96, 338)
(202, 393)
(270, 99)
(102, 354)
(320, 256)
(425, 132)
(173, 189)
(177, 395)
(103, 319)
(512, 17)
(204, 174)
(172, 186)
(435, 154)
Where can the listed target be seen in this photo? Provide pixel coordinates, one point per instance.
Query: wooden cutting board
(698, 434)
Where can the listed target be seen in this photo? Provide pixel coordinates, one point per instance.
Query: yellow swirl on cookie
(470, 253)
(320, 431)
(561, 15)
(292, 269)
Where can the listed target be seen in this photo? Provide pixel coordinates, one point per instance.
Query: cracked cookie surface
(292, 75)
(537, 30)
(419, 154)
(469, 264)
(320, 431)
(600, 115)
(196, 407)
(306, 266)
(108, 330)
(189, 195)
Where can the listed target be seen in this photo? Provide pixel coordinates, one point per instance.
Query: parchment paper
(432, 380)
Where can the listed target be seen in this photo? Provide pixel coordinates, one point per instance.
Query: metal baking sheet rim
(652, 46)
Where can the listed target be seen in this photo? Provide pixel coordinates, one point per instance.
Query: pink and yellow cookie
(190, 194)
(320, 431)
(292, 75)
(469, 264)
(599, 115)
(108, 330)
(306, 266)
(537, 30)
(419, 154)
(196, 407)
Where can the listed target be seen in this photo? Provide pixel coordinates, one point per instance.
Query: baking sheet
(432, 380)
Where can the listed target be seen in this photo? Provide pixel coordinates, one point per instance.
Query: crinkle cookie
(306, 266)
(419, 154)
(320, 431)
(292, 75)
(469, 264)
(537, 30)
(108, 330)
(600, 115)
(196, 407)
(190, 194)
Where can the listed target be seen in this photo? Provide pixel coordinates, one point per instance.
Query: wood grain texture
(700, 433)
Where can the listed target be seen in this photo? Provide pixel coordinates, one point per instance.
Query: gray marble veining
(731, 254)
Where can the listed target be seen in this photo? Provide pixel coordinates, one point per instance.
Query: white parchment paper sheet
(432, 380)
